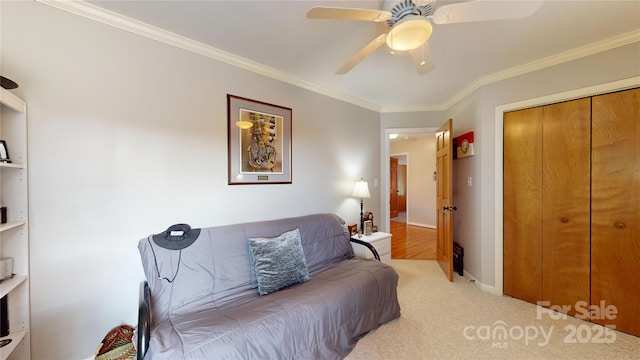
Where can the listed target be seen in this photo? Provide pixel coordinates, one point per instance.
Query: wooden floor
(412, 242)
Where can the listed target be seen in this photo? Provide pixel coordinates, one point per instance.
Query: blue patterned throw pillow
(279, 262)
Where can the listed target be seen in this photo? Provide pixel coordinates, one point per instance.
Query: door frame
(499, 149)
(384, 182)
(406, 156)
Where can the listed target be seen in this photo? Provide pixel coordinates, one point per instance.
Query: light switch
(469, 181)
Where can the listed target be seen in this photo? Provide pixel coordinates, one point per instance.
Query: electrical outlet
(469, 181)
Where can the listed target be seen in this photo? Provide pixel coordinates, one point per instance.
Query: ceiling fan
(409, 23)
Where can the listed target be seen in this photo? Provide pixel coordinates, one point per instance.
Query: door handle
(449, 208)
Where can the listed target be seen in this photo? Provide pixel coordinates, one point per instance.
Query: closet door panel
(615, 252)
(566, 150)
(522, 246)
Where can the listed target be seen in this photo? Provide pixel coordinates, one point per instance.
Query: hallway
(412, 242)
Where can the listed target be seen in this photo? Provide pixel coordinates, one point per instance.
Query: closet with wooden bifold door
(572, 208)
(615, 208)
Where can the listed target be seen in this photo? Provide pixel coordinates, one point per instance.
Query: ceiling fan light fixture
(442, 15)
(409, 33)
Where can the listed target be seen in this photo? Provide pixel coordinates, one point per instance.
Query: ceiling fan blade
(371, 47)
(321, 12)
(482, 10)
(421, 57)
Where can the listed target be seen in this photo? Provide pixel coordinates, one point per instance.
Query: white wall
(421, 189)
(467, 219)
(478, 219)
(128, 136)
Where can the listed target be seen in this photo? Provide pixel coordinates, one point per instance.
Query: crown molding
(570, 55)
(104, 16)
(99, 14)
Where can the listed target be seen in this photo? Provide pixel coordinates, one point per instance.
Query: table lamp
(361, 190)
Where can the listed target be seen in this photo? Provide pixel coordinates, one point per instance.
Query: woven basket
(117, 345)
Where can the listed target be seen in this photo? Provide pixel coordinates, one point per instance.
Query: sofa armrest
(369, 246)
(144, 320)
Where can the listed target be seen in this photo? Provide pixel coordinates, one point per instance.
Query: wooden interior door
(566, 213)
(615, 221)
(393, 190)
(444, 199)
(522, 218)
(402, 187)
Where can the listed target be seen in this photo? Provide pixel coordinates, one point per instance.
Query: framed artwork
(463, 145)
(4, 152)
(368, 215)
(368, 227)
(259, 139)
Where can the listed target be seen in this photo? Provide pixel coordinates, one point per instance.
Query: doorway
(411, 195)
(398, 188)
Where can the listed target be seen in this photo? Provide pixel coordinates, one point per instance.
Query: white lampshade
(409, 33)
(361, 190)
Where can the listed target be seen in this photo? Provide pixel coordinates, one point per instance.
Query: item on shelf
(4, 152)
(368, 215)
(7, 83)
(3, 215)
(4, 316)
(368, 227)
(6, 267)
(353, 229)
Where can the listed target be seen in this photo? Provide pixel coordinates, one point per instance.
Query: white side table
(380, 240)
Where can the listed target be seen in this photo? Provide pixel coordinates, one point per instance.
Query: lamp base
(361, 217)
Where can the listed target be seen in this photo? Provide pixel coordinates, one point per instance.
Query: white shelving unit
(14, 235)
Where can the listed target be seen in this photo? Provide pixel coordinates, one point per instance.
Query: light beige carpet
(442, 320)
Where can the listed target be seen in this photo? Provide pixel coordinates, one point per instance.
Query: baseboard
(422, 225)
(484, 287)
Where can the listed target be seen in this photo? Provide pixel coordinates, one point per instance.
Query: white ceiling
(278, 40)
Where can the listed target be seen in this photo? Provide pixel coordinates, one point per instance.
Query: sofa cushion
(319, 319)
(217, 266)
(278, 261)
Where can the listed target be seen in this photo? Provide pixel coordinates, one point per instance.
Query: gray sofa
(213, 310)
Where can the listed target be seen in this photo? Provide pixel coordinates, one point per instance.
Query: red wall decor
(464, 145)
